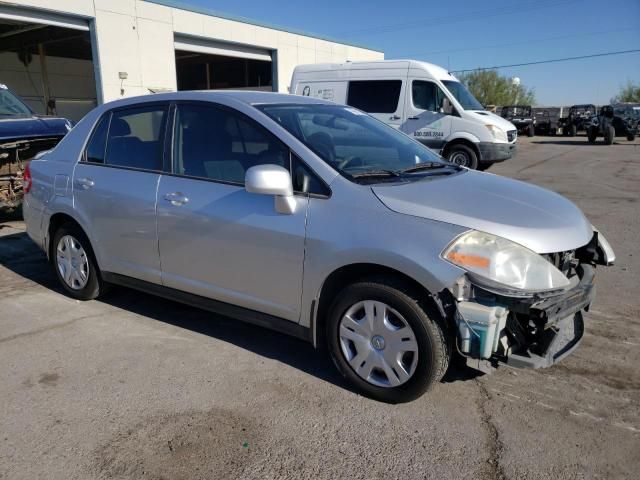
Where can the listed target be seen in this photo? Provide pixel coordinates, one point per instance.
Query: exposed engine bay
(14, 157)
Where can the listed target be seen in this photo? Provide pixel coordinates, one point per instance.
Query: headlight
(497, 133)
(495, 260)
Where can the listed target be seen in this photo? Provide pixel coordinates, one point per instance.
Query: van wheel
(386, 341)
(75, 264)
(463, 156)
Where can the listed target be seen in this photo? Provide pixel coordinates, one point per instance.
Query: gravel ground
(134, 386)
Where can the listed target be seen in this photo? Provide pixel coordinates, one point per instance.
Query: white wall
(136, 37)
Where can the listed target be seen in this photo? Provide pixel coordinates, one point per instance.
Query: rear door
(425, 120)
(114, 188)
(381, 98)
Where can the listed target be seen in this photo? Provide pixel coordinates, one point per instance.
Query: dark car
(612, 122)
(23, 134)
(577, 120)
(521, 117)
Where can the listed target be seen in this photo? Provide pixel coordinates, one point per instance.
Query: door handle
(413, 118)
(86, 183)
(394, 117)
(176, 199)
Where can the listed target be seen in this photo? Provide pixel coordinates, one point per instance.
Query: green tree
(628, 93)
(491, 88)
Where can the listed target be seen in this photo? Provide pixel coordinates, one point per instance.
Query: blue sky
(467, 34)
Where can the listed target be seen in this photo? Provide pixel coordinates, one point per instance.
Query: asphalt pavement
(134, 386)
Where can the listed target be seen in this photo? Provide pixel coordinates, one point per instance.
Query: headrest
(119, 128)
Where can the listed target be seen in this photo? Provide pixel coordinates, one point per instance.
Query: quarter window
(375, 96)
(426, 96)
(97, 144)
(214, 143)
(135, 137)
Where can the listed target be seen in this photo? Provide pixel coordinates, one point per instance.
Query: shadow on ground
(21, 256)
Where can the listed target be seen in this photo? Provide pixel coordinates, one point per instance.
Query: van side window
(375, 96)
(426, 96)
(218, 144)
(135, 137)
(98, 143)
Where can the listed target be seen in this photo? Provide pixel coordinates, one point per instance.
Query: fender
(461, 135)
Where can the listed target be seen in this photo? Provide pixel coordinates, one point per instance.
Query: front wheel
(631, 137)
(592, 134)
(75, 264)
(463, 156)
(386, 341)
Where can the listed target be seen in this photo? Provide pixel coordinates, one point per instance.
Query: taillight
(27, 182)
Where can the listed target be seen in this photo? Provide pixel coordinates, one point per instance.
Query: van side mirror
(446, 108)
(272, 180)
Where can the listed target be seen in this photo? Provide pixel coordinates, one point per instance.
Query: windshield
(462, 95)
(515, 111)
(12, 105)
(354, 143)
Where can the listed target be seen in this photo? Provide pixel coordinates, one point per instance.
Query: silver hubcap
(459, 158)
(378, 343)
(72, 262)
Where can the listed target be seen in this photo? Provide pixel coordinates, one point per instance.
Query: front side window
(215, 143)
(426, 96)
(135, 137)
(353, 143)
(375, 96)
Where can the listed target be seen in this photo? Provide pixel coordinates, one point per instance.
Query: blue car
(23, 134)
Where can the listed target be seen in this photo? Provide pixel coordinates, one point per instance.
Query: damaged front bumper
(533, 332)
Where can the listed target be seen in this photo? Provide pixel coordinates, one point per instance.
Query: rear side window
(375, 96)
(135, 137)
(98, 143)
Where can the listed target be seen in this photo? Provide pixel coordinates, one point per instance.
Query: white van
(421, 99)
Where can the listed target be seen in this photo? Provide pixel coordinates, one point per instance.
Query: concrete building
(65, 56)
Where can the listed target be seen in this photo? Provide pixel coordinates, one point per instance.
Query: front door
(425, 120)
(114, 189)
(216, 239)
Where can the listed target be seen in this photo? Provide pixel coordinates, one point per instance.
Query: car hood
(538, 219)
(16, 127)
(492, 119)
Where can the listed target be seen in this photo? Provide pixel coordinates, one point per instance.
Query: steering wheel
(350, 160)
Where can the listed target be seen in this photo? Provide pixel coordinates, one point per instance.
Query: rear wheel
(531, 130)
(609, 135)
(463, 156)
(386, 341)
(75, 264)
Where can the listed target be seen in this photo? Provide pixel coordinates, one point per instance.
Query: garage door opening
(50, 67)
(210, 65)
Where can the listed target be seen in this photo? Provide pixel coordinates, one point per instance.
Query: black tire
(482, 166)
(573, 130)
(434, 345)
(531, 131)
(463, 156)
(592, 134)
(631, 137)
(609, 135)
(94, 285)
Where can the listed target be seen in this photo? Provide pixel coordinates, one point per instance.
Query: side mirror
(446, 108)
(272, 180)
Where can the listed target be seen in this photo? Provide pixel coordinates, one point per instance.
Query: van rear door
(425, 120)
(381, 98)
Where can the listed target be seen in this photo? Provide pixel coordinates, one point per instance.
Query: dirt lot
(137, 387)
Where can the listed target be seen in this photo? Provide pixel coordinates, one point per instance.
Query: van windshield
(464, 97)
(354, 143)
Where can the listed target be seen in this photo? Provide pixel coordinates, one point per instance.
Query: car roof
(244, 96)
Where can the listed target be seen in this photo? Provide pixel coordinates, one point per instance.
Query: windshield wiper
(377, 173)
(422, 166)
